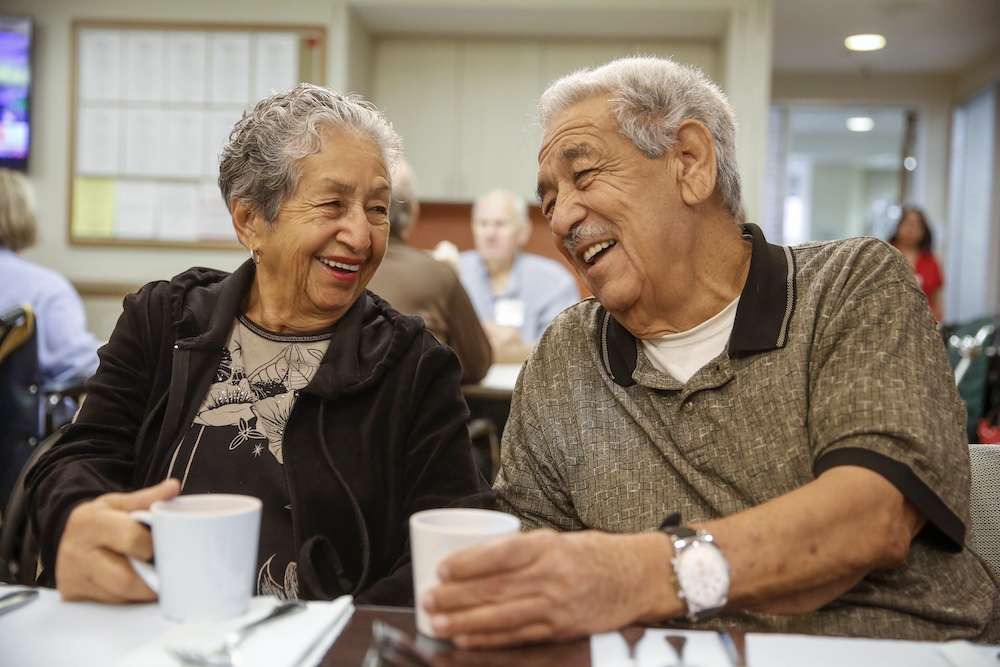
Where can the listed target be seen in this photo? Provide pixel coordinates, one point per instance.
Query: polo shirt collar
(762, 317)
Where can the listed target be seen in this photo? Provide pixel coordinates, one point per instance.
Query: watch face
(703, 575)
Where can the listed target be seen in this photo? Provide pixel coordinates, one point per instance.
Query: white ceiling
(937, 36)
(922, 36)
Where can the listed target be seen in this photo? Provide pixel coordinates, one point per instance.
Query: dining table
(50, 632)
(658, 647)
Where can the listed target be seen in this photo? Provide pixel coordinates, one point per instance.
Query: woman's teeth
(339, 265)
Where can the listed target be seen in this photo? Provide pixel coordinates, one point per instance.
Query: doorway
(837, 171)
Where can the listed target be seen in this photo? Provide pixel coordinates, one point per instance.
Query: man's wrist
(658, 587)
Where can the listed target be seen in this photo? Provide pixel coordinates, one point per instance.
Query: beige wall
(742, 45)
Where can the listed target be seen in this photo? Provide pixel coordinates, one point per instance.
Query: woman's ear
(245, 222)
(696, 150)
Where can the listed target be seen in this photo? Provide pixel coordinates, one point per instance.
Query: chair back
(22, 405)
(984, 506)
(18, 542)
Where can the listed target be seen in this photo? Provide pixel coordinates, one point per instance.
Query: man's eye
(548, 208)
(335, 203)
(381, 210)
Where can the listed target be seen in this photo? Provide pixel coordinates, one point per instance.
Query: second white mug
(438, 533)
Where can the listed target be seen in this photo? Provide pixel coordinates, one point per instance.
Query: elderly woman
(285, 380)
(67, 351)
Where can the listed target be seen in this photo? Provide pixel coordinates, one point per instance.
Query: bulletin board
(153, 105)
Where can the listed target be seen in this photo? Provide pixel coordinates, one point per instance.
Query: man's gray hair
(651, 98)
(260, 165)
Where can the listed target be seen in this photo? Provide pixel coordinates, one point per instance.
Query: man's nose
(566, 213)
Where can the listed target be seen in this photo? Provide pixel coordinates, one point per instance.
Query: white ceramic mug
(438, 533)
(205, 550)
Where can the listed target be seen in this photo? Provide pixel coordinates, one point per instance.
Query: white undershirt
(682, 354)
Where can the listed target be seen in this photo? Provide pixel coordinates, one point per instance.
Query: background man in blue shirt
(516, 294)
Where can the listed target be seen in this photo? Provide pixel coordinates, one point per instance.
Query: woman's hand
(91, 562)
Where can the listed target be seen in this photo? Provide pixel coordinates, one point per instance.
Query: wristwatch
(701, 571)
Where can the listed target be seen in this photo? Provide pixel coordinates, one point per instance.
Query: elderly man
(516, 294)
(794, 406)
(417, 284)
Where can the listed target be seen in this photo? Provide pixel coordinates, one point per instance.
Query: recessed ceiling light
(860, 124)
(865, 42)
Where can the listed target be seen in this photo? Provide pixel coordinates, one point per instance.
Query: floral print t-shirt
(234, 444)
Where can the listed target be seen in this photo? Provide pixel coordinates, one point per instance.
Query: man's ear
(245, 222)
(696, 150)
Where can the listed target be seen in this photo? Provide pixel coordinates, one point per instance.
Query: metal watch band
(682, 537)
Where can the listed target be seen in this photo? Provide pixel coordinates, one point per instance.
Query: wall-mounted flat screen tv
(15, 91)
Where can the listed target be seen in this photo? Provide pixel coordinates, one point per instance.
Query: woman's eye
(381, 210)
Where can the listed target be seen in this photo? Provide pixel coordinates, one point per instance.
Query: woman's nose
(355, 232)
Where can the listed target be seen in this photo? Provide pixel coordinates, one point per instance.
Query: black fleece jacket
(378, 434)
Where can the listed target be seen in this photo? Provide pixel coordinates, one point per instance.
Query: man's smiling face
(611, 209)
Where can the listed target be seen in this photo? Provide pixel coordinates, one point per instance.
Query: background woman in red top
(913, 238)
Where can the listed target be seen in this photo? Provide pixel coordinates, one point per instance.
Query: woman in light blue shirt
(67, 351)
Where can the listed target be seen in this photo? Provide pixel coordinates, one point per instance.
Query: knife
(17, 599)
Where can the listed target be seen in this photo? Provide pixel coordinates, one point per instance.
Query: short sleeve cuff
(943, 526)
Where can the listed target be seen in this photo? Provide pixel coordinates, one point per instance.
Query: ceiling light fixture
(860, 124)
(865, 42)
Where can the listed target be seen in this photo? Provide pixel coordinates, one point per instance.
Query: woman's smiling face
(329, 236)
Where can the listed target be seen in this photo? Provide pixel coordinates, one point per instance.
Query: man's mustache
(581, 234)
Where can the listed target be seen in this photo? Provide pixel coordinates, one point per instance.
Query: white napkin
(297, 639)
(704, 649)
(964, 654)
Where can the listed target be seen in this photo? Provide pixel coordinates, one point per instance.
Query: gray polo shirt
(834, 359)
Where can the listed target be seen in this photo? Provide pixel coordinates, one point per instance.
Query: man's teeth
(594, 249)
(340, 265)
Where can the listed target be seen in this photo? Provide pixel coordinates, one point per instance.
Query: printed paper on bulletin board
(153, 105)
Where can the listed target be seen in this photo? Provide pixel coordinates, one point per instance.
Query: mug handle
(146, 571)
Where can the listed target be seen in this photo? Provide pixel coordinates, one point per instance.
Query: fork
(735, 642)
(227, 654)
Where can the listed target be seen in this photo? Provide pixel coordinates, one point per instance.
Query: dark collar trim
(768, 298)
(619, 349)
(762, 317)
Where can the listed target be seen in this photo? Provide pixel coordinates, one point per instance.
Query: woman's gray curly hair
(651, 97)
(260, 164)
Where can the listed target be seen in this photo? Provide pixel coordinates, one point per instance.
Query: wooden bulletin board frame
(151, 106)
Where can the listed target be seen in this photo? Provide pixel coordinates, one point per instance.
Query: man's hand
(91, 563)
(543, 586)
(446, 252)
